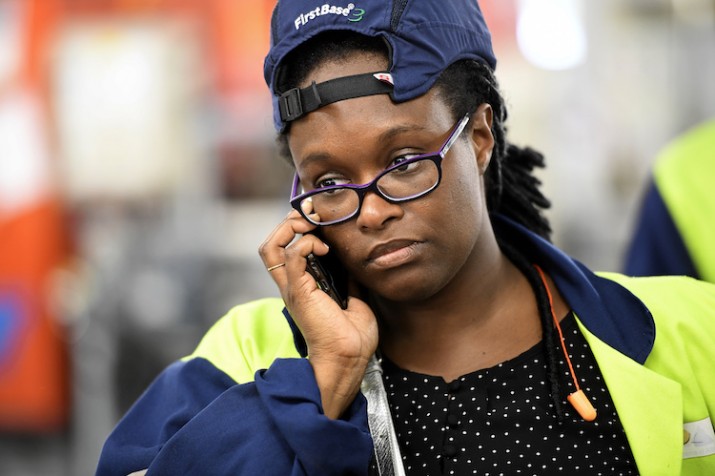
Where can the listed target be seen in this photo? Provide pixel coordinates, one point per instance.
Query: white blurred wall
(647, 77)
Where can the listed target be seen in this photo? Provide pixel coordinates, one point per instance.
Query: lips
(392, 253)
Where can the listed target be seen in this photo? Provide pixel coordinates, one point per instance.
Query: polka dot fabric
(501, 420)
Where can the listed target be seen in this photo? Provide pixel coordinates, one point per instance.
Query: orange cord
(558, 326)
(577, 399)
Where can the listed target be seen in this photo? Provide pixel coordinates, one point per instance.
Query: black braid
(546, 317)
(512, 189)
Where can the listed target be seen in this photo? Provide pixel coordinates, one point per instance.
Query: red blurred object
(34, 365)
(34, 370)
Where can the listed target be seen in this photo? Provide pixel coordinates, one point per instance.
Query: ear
(482, 137)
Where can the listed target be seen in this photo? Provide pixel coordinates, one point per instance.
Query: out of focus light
(550, 33)
(24, 160)
(117, 89)
(695, 12)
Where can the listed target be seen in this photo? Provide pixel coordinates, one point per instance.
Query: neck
(488, 314)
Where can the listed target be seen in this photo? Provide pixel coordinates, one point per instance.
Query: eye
(323, 182)
(397, 161)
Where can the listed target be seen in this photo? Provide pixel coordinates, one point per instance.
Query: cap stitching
(398, 8)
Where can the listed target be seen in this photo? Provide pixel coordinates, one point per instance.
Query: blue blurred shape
(10, 322)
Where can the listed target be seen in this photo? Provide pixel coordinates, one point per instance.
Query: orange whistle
(580, 402)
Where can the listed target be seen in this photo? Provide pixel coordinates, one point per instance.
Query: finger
(283, 250)
(286, 230)
(271, 250)
(307, 206)
(296, 256)
(275, 266)
(296, 285)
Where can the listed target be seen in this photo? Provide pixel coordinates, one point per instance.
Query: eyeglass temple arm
(296, 186)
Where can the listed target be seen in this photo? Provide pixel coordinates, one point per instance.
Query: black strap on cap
(296, 103)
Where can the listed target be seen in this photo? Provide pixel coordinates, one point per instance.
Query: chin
(405, 290)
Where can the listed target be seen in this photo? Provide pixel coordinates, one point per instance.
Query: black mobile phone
(330, 276)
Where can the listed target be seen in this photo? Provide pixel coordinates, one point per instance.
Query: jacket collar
(607, 309)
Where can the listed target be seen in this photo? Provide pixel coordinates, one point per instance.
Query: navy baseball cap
(424, 38)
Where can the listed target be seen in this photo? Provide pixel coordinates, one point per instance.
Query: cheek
(466, 189)
(340, 239)
(465, 207)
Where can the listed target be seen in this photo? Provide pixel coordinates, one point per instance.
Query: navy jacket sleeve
(657, 247)
(194, 419)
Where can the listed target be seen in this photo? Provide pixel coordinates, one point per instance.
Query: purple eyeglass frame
(362, 190)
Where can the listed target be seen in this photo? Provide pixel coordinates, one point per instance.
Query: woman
(498, 353)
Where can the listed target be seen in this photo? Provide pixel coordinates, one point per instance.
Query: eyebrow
(385, 136)
(397, 130)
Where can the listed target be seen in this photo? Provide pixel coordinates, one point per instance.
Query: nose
(376, 211)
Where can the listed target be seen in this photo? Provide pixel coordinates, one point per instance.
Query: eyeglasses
(410, 179)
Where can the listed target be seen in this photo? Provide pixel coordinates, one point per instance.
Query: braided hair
(512, 189)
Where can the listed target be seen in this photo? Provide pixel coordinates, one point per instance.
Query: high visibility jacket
(676, 226)
(246, 402)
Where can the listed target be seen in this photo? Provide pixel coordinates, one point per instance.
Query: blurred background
(138, 176)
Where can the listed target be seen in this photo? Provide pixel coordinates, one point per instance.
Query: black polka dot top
(502, 421)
